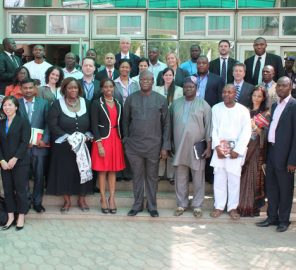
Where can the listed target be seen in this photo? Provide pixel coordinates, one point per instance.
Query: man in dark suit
(261, 58)
(281, 158)
(243, 89)
(210, 85)
(90, 86)
(9, 62)
(109, 71)
(223, 65)
(125, 45)
(35, 109)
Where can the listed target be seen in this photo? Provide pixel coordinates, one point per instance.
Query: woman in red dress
(107, 151)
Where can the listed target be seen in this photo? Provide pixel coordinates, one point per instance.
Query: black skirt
(64, 177)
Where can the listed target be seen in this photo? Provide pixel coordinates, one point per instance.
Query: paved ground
(146, 243)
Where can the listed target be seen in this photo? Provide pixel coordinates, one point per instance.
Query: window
(257, 3)
(31, 24)
(219, 26)
(100, 4)
(207, 4)
(288, 25)
(67, 24)
(164, 47)
(118, 24)
(46, 3)
(163, 3)
(163, 24)
(195, 25)
(260, 25)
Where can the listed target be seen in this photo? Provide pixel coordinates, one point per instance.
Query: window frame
(282, 15)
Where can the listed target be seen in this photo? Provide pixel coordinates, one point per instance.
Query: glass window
(194, 25)
(163, 3)
(288, 3)
(289, 26)
(260, 25)
(105, 46)
(46, 3)
(207, 4)
(28, 24)
(106, 25)
(130, 25)
(67, 24)
(257, 3)
(164, 48)
(219, 25)
(163, 24)
(97, 4)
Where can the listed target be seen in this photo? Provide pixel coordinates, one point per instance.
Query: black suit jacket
(97, 89)
(285, 136)
(15, 142)
(103, 74)
(181, 74)
(100, 119)
(134, 60)
(7, 69)
(213, 92)
(271, 59)
(245, 94)
(215, 68)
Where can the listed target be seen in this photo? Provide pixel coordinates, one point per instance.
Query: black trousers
(15, 184)
(279, 190)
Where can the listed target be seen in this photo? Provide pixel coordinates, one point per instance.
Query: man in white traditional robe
(191, 123)
(230, 136)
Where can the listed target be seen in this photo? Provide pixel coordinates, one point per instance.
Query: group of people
(230, 123)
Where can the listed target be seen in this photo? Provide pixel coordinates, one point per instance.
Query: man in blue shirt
(190, 65)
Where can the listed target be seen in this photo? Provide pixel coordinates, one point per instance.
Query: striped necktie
(237, 92)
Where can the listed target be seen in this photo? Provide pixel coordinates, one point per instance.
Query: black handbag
(199, 148)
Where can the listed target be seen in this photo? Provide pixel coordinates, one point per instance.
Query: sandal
(216, 213)
(197, 212)
(179, 211)
(234, 215)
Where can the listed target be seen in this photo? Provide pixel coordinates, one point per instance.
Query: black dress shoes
(266, 223)
(153, 213)
(282, 227)
(133, 212)
(39, 208)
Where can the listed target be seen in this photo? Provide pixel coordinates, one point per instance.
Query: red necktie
(110, 74)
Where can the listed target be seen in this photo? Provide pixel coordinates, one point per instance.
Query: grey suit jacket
(39, 120)
(245, 94)
(118, 91)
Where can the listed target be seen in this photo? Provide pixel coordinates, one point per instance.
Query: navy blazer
(271, 59)
(285, 136)
(97, 89)
(215, 68)
(100, 119)
(103, 74)
(39, 120)
(15, 142)
(245, 94)
(7, 69)
(134, 59)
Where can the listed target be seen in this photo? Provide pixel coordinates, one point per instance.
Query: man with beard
(230, 137)
(223, 65)
(38, 66)
(146, 130)
(191, 65)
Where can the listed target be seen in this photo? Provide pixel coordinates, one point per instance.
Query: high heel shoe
(112, 210)
(18, 228)
(6, 227)
(65, 208)
(104, 210)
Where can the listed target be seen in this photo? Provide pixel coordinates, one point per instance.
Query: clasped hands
(221, 155)
(8, 165)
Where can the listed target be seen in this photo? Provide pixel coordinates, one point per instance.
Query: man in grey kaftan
(191, 123)
(146, 128)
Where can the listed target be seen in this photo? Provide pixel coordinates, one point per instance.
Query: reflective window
(219, 25)
(194, 25)
(288, 3)
(207, 4)
(130, 25)
(105, 46)
(257, 3)
(106, 25)
(162, 24)
(28, 24)
(69, 24)
(289, 26)
(163, 3)
(46, 3)
(260, 25)
(97, 4)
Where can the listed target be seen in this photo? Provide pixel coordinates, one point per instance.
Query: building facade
(170, 25)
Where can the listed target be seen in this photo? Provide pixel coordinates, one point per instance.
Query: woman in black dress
(68, 114)
(15, 133)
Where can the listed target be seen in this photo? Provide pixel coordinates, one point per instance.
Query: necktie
(30, 110)
(266, 86)
(110, 74)
(237, 92)
(14, 60)
(223, 70)
(256, 71)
